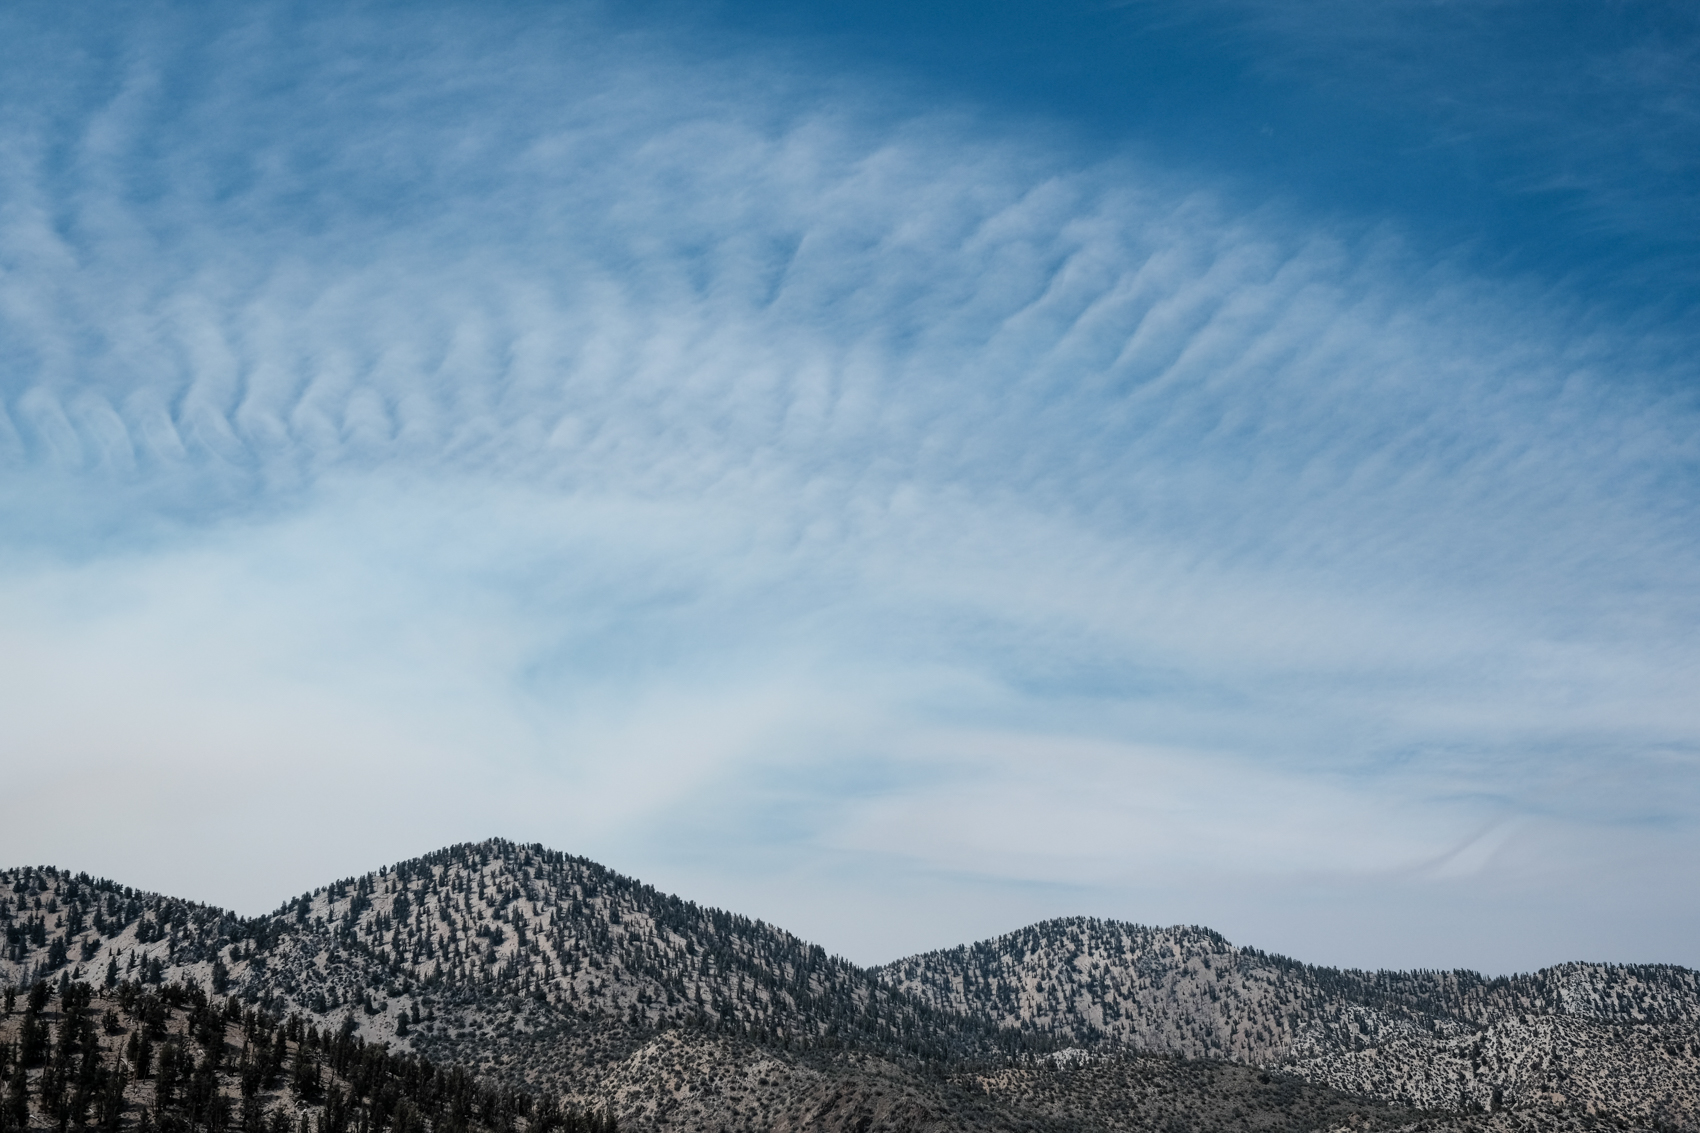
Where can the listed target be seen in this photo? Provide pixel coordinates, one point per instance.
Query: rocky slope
(136, 1058)
(695, 1081)
(171, 1059)
(1601, 1038)
(472, 947)
(539, 969)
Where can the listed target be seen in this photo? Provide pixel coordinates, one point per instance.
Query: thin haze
(899, 473)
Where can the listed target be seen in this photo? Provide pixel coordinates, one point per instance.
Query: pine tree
(32, 1040)
(165, 1084)
(112, 1095)
(51, 1088)
(17, 1105)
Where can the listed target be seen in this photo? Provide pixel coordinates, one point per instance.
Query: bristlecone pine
(499, 987)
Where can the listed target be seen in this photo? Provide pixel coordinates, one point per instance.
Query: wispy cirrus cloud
(538, 425)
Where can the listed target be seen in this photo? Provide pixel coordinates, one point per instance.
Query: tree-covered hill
(1573, 1034)
(169, 1057)
(540, 970)
(473, 944)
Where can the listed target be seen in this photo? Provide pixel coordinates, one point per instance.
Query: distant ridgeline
(1576, 1033)
(547, 936)
(539, 968)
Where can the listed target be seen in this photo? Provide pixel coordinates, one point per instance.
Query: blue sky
(899, 471)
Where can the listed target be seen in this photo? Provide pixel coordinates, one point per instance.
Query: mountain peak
(533, 965)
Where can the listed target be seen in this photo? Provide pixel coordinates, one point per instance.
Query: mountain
(176, 1060)
(428, 952)
(1619, 1039)
(541, 971)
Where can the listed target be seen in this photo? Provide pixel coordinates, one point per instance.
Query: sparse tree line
(1187, 989)
(177, 1061)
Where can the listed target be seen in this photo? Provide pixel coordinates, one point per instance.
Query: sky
(900, 471)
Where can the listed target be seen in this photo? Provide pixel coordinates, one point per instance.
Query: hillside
(1605, 1038)
(540, 970)
(174, 1060)
(136, 1058)
(432, 952)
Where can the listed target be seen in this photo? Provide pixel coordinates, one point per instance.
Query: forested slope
(1604, 1038)
(542, 971)
(473, 945)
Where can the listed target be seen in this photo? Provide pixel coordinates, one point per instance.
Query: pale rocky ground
(1645, 1072)
(1590, 1038)
(537, 967)
(699, 1083)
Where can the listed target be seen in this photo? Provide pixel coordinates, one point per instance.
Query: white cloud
(609, 450)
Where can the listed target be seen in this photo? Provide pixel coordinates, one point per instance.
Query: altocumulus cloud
(873, 516)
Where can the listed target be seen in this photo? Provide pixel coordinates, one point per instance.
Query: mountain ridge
(1188, 991)
(538, 967)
